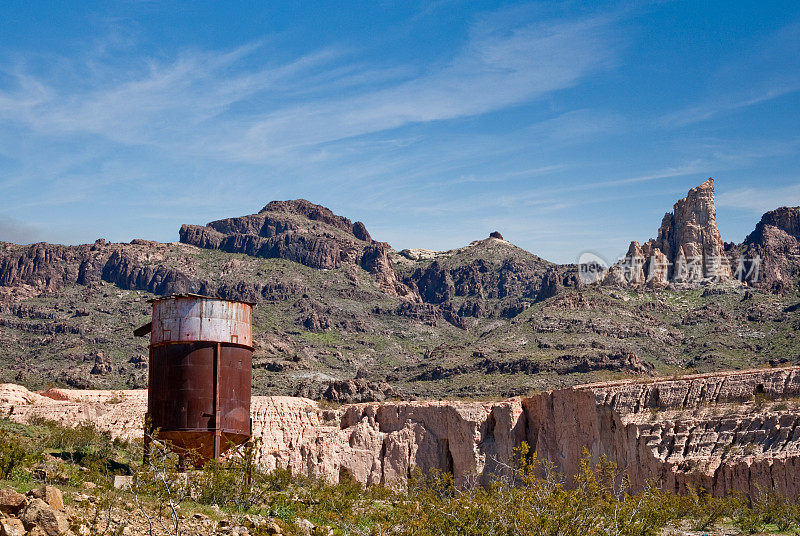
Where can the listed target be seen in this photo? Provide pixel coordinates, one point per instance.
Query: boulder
(11, 502)
(306, 527)
(11, 526)
(272, 528)
(49, 494)
(39, 514)
(123, 482)
(101, 366)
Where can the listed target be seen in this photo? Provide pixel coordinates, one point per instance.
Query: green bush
(536, 501)
(769, 508)
(236, 481)
(703, 510)
(82, 441)
(12, 455)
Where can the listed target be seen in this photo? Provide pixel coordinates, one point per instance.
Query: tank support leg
(148, 441)
(217, 445)
(217, 431)
(249, 446)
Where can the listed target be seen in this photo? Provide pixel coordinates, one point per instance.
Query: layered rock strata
(735, 431)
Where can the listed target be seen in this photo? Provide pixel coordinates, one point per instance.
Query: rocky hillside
(305, 233)
(341, 316)
(724, 432)
(774, 247)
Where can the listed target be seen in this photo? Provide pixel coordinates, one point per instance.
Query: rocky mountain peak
(786, 219)
(688, 248)
(307, 210)
(692, 224)
(291, 209)
(771, 253)
(300, 231)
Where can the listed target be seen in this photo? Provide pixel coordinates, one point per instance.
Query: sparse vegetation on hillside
(336, 324)
(486, 320)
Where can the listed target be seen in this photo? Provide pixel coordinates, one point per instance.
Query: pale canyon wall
(722, 431)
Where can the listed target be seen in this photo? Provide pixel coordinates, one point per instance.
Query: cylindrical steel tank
(200, 374)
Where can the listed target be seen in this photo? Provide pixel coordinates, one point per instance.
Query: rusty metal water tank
(200, 373)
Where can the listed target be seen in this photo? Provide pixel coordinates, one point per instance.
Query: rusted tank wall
(192, 319)
(182, 393)
(200, 374)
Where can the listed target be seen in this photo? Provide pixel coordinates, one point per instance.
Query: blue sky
(567, 128)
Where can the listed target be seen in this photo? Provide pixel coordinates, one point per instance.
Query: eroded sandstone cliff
(734, 431)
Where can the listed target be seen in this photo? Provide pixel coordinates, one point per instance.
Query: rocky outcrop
(294, 230)
(771, 253)
(564, 364)
(42, 268)
(691, 229)
(40, 512)
(11, 502)
(51, 521)
(127, 269)
(302, 232)
(724, 432)
(688, 249)
(490, 277)
(101, 366)
(347, 391)
(731, 431)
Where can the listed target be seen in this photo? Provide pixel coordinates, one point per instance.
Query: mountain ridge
(334, 304)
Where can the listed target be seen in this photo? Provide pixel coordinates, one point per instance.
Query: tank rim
(189, 295)
(234, 344)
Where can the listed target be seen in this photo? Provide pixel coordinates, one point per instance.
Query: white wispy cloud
(215, 103)
(760, 199)
(726, 103)
(497, 69)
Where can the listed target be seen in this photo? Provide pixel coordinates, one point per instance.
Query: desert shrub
(769, 508)
(161, 483)
(12, 455)
(283, 510)
(780, 511)
(236, 481)
(703, 510)
(746, 519)
(535, 501)
(277, 480)
(82, 443)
